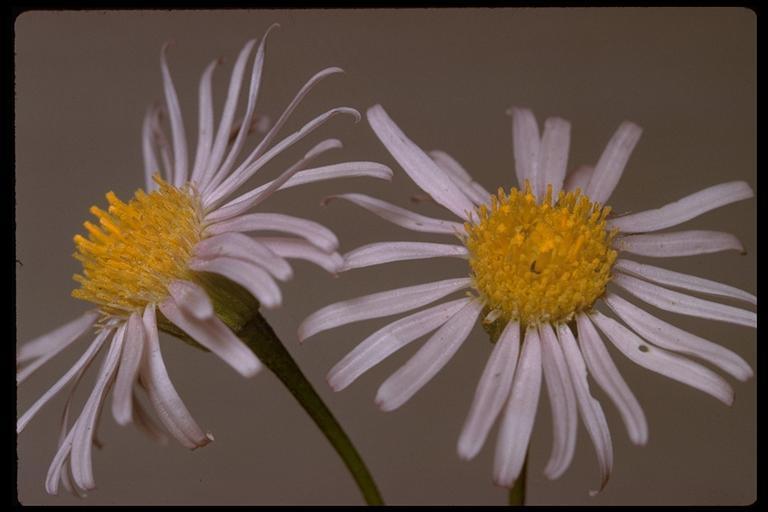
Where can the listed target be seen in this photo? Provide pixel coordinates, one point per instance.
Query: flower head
(541, 260)
(175, 257)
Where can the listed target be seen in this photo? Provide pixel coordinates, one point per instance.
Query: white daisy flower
(158, 260)
(540, 259)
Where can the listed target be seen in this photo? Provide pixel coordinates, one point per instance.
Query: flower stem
(517, 492)
(263, 341)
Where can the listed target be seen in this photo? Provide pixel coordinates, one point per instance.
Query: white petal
(390, 338)
(607, 376)
(127, 373)
(591, 413)
(150, 159)
(665, 363)
(192, 298)
(562, 400)
(525, 143)
(517, 423)
(430, 359)
(83, 361)
(316, 233)
(257, 281)
(612, 162)
(401, 216)
(145, 423)
(578, 179)
(668, 336)
(679, 243)
(166, 401)
(491, 393)
(47, 346)
(683, 209)
(385, 252)
(205, 123)
(214, 335)
(553, 157)
(414, 161)
(327, 172)
(159, 138)
(684, 281)
(460, 177)
(684, 304)
(297, 248)
(237, 245)
(377, 305)
(177, 124)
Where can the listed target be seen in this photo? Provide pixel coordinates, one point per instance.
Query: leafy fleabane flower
(176, 257)
(541, 257)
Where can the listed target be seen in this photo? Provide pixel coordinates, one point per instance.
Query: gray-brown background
(84, 79)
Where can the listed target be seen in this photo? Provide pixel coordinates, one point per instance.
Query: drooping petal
(517, 423)
(251, 277)
(668, 336)
(683, 209)
(301, 249)
(177, 123)
(401, 216)
(417, 164)
(237, 245)
(684, 304)
(430, 359)
(680, 243)
(214, 335)
(665, 363)
(612, 162)
(562, 400)
(492, 392)
(553, 157)
(525, 143)
(385, 252)
(377, 305)
(315, 233)
(607, 376)
(127, 373)
(684, 281)
(591, 413)
(387, 340)
(460, 177)
(145, 423)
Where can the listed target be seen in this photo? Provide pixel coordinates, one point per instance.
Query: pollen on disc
(540, 262)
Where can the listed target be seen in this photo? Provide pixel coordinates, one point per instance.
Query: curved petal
(301, 249)
(680, 243)
(128, 370)
(251, 277)
(612, 162)
(460, 177)
(386, 252)
(192, 298)
(237, 245)
(177, 124)
(151, 167)
(205, 123)
(316, 233)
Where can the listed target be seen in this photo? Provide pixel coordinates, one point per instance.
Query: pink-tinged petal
(553, 157)
(419, 166)
(562, 399)
(460, 177)
(684, 304)
(145, 423)
(591, 413)
(251, 277)
(214, 335)
(390, 338)
(148, 152)
(83, 361)
(127, 373)
(607, 376)
(177, 124)
(192, 298)
(237, 245)
(205, 124)
(665, 363)
(161, 140)
(162, 394)
(684, 281)
(47, 346)
(517, 422)
(315, 233)
(491, 393)
(578, 178)
(525, 144)
(668, 336)
(679, 243)
(376, 305)
(401, 216)
(385, 252)
(683, 209)
(612, 162)
(301, 249)
(430, 359)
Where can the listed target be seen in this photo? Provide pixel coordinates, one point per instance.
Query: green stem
(263, 341)
(517, 492)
